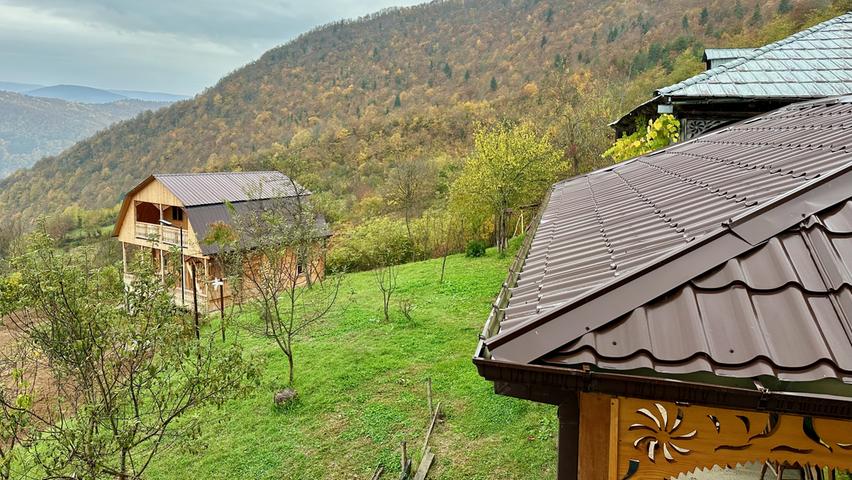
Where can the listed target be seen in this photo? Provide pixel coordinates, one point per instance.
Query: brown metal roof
(204, 216)
(194, 189)
(778, 310)
(644, 255)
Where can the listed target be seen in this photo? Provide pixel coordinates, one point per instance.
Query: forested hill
(354, 97)
(32, 128)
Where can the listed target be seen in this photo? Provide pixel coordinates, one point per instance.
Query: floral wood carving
(660, 440)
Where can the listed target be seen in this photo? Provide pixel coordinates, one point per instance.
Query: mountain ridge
(353, 97)
(34, 127)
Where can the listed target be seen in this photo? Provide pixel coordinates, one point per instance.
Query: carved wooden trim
(693, 127)
(660, 440)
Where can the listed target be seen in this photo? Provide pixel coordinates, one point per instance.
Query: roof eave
(549, 384)
(125, 204)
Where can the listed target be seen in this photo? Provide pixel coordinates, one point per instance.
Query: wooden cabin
(742, 82)
(169, 213)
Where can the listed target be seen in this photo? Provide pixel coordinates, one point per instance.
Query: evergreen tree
(756, 17)
(739, 11)
(784, 6)
(685, 23)
(448, 71)
(397, 102)
(704, 17)
(493, 83)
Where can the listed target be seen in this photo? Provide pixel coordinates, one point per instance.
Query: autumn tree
(511, 166)
(658, 133)
(581, 107)
(118, 365)
(409, 186)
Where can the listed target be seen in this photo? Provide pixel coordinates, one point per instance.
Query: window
(177, 213)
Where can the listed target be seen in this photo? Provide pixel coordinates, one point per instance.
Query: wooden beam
(569, 435)
(425, 464)
(595, 432)
(613, 439)
(124, 257)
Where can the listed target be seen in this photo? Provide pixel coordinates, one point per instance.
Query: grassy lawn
(361, 384)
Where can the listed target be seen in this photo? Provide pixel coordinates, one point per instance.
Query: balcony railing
(187, 300)
(159, 233)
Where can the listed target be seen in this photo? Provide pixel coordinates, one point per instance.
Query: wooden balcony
(187, 301)
(158, 233)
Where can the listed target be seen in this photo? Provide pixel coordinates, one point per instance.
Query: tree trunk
(443, 267)
(408, 225)
(290, 364)
(387, 305)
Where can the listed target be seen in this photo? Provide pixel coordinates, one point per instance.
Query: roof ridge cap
(700, 77)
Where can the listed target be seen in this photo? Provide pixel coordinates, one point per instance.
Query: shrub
(377, 242)
(474, 249)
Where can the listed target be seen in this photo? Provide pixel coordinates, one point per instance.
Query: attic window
(177, 214)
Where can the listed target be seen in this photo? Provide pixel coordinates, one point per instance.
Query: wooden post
(596, 416)
(569, 436)
(195, 302)
(206, 286)
(429, 393)
(124, 257)
(162, 256)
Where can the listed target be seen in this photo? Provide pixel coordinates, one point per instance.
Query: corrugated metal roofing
(813, 63)
(598, 227)
(204, 216)
(195, 189)
(775, 311)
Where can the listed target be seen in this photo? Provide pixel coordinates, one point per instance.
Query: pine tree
(756, 17)
(784, 6)
(448, 71)
(397, 102)
(493, 84)
(705, 16)
(739, 11)
(685, 23)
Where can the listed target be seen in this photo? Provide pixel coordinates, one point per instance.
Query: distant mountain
(18, 87)
(76, 93)
(150, 96)
(32, 128)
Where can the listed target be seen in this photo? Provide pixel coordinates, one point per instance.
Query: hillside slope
(32, 128)
(351, 97)
(361, 383)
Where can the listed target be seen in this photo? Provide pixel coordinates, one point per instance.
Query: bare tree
(409, 185)
(281, 244)
(386, 279)
(121, 365)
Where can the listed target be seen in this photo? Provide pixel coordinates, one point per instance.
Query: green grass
(361, 383)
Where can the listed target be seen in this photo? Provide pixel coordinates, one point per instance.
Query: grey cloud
(180, 46)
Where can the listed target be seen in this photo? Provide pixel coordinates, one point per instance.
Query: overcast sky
(175, 46)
